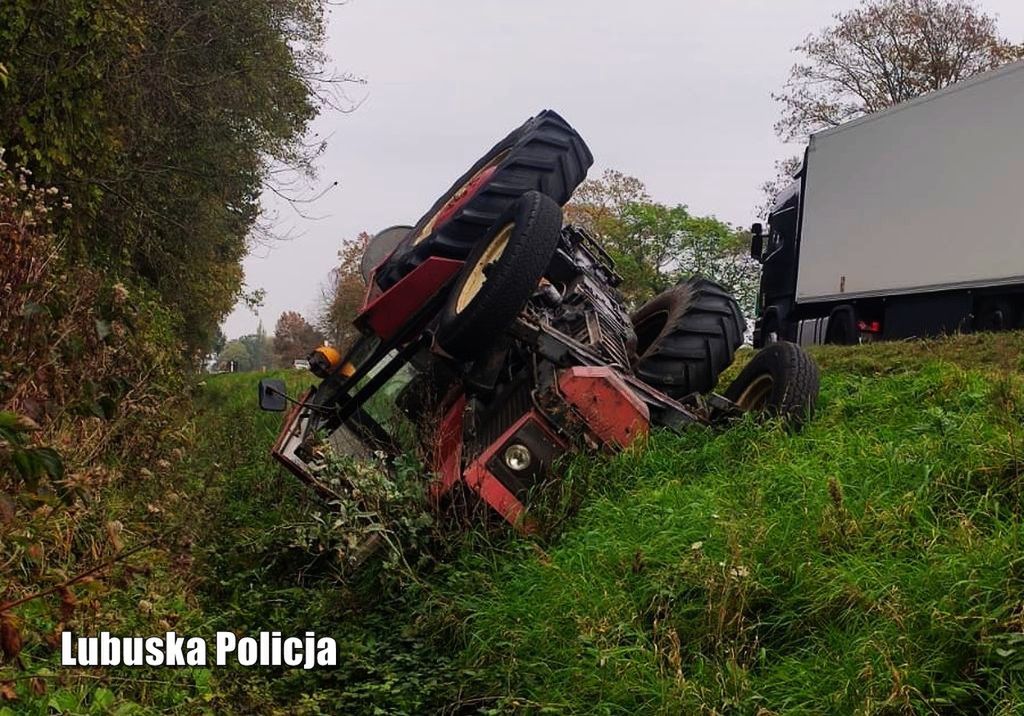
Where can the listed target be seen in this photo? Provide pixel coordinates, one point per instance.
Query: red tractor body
(507, 349)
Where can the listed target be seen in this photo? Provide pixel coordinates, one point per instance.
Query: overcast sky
(675, 92)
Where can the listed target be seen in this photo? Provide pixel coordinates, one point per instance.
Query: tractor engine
(590, 309)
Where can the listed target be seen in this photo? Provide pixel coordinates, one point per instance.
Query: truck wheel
(500, 275)
(686, 337)
(781, 380)
(545, 154)
(842, 327)
(996, 315)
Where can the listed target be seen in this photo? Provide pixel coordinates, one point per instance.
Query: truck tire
(781, 380)
(501, 273)
(686, 337)
(996, 315)
(842, 327)
(545, 154)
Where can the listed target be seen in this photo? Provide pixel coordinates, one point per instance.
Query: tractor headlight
(518, 457)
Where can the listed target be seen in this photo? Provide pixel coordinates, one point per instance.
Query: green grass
(869, 564)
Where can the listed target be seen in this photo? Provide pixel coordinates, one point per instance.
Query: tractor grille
(504, 410)
(595, 318)
(613, 339)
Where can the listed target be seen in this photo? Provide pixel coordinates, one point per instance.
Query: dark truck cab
(776, 253)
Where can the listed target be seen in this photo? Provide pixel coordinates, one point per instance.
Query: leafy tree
(238, 352)
(598, 203)
(343, 293)
(885, 52)
(294, 338)
(656, 245)
(219, 341)
(159, 121)
(261, 348)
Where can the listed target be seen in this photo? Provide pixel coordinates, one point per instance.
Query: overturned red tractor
(498, 334)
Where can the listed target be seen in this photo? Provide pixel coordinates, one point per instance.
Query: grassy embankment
(869, 564)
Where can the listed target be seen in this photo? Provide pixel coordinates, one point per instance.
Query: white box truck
(902, 223)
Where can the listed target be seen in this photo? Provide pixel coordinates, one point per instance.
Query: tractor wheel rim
(755, 396)
(478, 273)
(461, 197)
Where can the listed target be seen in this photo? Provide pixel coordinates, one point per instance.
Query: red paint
(372, 291)
(872, 327)
(283, 453)
(491, 489)
(447, 458)
(609, 407)
(532, 415)
(391, 310)
(289, 423)
(468, 192)
(500, 498)
(447, 463)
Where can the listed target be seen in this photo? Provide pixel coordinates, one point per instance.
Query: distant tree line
(294, 338)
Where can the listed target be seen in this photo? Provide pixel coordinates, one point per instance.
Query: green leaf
(32, 309)
(9, 421)
(49, 461)
(64, 702)
(202, 679)
(23, 462)
(102, 700)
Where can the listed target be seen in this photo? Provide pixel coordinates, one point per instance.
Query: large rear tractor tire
(781, 381)
(499, 276)
(686, 337)
(545, 154)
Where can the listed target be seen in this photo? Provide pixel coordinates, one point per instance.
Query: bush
(90, 370)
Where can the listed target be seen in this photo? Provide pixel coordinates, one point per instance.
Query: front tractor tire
(545, 155)
(781, 381)
(686, 337)
(499, 276)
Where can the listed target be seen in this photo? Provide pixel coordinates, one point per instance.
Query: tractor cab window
(385, 407)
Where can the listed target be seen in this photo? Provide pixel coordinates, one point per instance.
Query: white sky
(675, 92)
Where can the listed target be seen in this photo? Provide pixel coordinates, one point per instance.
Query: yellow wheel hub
(756, 395)
(478, 273)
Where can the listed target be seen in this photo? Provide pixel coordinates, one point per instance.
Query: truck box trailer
(903, 223)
